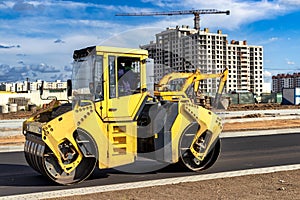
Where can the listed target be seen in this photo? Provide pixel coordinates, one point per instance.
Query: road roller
(114, 115)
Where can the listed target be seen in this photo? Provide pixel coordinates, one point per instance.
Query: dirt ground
(262, 106)
(16, 115)
(279, 185)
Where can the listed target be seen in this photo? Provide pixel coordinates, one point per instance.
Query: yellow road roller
(112, 117)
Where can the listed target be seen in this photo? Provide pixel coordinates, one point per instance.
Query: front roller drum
(43, 160)
(187, 159)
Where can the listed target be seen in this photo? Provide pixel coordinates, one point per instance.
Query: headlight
(34, 128)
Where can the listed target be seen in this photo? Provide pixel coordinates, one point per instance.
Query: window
(112, 77)
(128, 76)
(98, 78)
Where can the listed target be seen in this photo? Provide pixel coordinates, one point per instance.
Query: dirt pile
(16, 115)
(262, 106)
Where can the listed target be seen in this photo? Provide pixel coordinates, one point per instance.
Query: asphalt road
(16, 177)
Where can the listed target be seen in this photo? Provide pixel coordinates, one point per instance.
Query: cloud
(241, 12)
(273, 39)
(4, 69)
(22, 71)
(44, 68)
(129, 37)
(59, 41)
(22, 6)
(290, 62)
(68, 68)
(61, 76)
(267, 74)
(9, 46)
(21, 54)
(39, 33)
(269, 40)
(8, 73)
(291, 3)
(161, 3)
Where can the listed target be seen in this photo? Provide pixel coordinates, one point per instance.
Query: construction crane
(196, 13)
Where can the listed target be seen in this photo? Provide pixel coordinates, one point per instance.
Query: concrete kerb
(11, 148)
(150, 183)
(260, 119)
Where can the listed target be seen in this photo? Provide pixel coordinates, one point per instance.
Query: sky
(37, 38)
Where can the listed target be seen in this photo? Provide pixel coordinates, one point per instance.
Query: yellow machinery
(177, 85)
(112, 119)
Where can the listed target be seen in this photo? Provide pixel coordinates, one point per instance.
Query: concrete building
(33, 96)
(14, 93)
(186, 49)
(26, 86)
(245, 64)
(285, 81)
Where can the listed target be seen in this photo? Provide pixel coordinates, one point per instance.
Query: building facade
(186, 49)
(285, 81)
(27, 86)
(245, 64)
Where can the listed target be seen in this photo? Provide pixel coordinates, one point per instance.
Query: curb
(11, 148)
(150, 183)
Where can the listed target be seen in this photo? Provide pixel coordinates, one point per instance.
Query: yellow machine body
(108, 125)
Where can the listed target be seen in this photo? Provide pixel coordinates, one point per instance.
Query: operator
(126, 79)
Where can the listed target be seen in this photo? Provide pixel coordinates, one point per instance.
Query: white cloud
(290, 2)
(267, 74)
(163, 3)
(132, 37)
(290, 62)
(273, 39)
(69, 22)
(242, 12)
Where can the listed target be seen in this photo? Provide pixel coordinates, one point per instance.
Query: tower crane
(196, 13)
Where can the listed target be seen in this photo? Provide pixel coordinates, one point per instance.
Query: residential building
(27, 86)
(245, 64)
(186, 49)
(285, 81)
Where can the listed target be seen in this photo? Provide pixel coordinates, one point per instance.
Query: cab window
(129, 78)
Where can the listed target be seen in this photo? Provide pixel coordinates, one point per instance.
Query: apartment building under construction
(186, 49)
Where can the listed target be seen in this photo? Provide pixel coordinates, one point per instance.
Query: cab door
(125, 95)
(123, 98)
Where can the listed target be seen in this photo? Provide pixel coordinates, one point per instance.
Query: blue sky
(37, 38)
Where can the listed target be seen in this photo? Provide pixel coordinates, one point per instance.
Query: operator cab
(113, 77)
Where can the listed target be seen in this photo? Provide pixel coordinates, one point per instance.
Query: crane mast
(196, 14)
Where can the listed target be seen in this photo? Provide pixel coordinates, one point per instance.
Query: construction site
(127, 106)
(284, 184)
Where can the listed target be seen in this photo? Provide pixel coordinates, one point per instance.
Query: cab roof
(107, 49)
